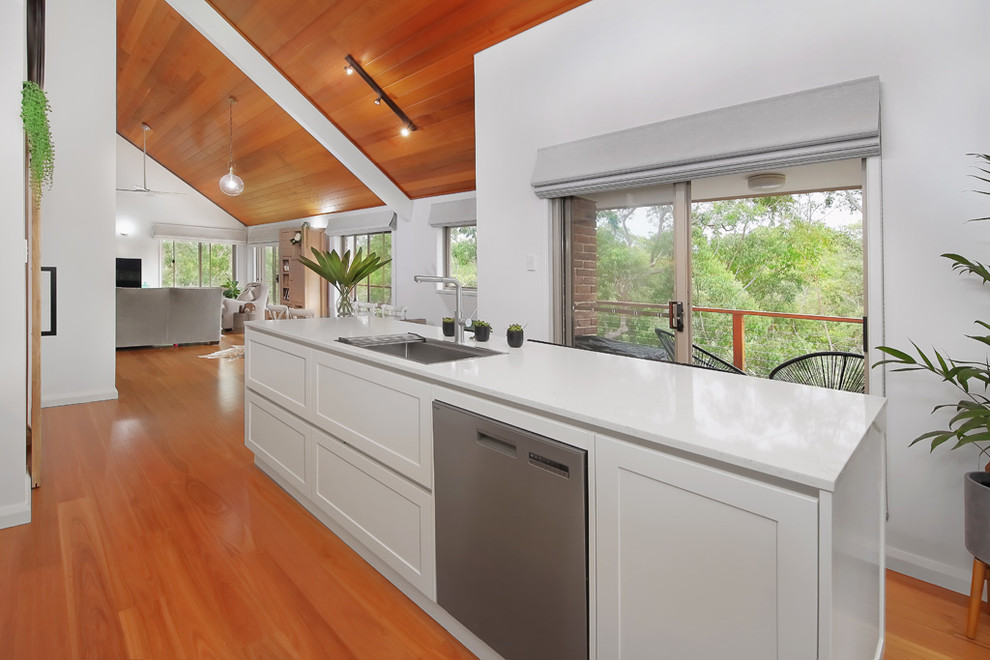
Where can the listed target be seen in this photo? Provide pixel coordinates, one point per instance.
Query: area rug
(232, 353)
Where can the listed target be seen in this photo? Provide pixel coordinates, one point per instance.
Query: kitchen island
(727, 515)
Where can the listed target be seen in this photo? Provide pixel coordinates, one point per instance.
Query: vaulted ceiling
(421, 52)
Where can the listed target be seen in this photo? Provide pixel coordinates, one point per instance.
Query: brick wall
(584, 264)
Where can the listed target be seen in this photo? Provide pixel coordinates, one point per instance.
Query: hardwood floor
(154, 536)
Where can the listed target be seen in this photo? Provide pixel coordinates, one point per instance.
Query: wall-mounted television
(128, 272)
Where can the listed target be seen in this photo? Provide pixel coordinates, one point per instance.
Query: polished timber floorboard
(154, 536)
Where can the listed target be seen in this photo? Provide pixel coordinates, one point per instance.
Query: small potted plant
(514, 335)
(231, 289)
(482, 330)
(448, 326)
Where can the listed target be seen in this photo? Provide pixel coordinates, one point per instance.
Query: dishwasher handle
(496, 444)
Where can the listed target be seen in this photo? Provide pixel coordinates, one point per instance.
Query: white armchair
(255, 292)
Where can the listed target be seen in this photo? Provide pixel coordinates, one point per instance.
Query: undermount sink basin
(413, 347)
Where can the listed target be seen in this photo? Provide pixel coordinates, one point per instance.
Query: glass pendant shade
(231, 184)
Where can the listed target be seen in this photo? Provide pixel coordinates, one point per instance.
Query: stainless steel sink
(411, 346)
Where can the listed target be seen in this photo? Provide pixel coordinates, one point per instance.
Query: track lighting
(407, 125)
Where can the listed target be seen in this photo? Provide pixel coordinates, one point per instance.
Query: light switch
(530, 262)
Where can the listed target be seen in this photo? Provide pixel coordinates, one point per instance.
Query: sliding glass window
(193, 264)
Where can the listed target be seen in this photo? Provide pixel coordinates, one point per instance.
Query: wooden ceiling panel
(171, 78)
(420, 51)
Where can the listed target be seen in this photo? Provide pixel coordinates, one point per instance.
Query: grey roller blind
(456, 213)
(828, 123)
(361, 222)
(193, 233)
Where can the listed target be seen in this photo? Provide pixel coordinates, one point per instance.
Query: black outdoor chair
(699, 356)
(833, 369)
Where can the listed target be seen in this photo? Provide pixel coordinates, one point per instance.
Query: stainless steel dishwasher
(512, 535)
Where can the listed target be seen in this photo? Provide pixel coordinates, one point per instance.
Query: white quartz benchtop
(800, 433)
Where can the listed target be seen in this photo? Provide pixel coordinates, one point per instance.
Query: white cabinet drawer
(701, 562)
(276, 369)
(383, 414)
(277, 438)
(391, 516)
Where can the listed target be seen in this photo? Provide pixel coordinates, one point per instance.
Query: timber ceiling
(420, 51)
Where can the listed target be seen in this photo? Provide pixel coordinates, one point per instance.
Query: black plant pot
(514, 337)
(976, 500)
(482, 332)
(448, 328)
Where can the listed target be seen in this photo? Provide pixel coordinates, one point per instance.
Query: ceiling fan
(144, 172)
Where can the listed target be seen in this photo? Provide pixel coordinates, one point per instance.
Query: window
(192, 264)
(266, 269)
(377, 288)
(760, 279)
(460, 249)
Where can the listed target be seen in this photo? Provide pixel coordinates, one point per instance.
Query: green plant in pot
(482, 330)
(970, 423)
(231, 289)
(514, 335)
(343, 273)
(448, 326)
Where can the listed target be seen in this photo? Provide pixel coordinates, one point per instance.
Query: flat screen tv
(128, 272)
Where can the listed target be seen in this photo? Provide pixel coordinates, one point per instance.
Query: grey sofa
(159, 317)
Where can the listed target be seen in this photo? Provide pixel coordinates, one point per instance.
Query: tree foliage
(773, 253)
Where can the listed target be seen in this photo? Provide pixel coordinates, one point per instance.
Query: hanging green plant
(41, 150)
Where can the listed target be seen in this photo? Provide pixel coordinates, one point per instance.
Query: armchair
(256, 292)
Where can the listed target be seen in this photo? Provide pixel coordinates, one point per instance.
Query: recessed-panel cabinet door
(383, 414)
(276, 369)
(695, 562)
(388, 514)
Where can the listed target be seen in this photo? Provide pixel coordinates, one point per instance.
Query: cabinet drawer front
(701, 562)
(391, 516)
(277, 369)
(383, 414)
(277, 438)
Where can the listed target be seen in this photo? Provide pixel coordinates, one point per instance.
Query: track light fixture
(407, 125)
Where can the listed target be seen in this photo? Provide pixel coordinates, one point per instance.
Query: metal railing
(768, 339)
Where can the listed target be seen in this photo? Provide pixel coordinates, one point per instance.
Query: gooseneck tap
(458, 321)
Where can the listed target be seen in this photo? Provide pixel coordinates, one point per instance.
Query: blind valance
(457, 213)
(361, 222)
(201, 234)
(828, 123)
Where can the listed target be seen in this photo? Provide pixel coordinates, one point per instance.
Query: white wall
(15, 491)
(614, 64)
(137, 212)
(415, 247)
(78, 213)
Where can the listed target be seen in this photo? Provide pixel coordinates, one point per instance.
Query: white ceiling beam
(253, 64)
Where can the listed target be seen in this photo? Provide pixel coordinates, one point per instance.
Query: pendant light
(230, 183)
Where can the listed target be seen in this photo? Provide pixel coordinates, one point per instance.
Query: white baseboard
(944, 575)
(72, 399)
(20, 513)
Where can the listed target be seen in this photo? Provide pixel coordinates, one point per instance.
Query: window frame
(365, 285)
(445, 251)
(200, 252)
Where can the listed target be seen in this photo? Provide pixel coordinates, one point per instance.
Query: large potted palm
(343, 273)
(969, 426)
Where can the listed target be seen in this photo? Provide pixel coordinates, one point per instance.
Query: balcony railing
(757, 346)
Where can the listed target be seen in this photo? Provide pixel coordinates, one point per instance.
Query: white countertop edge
(823, 478)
